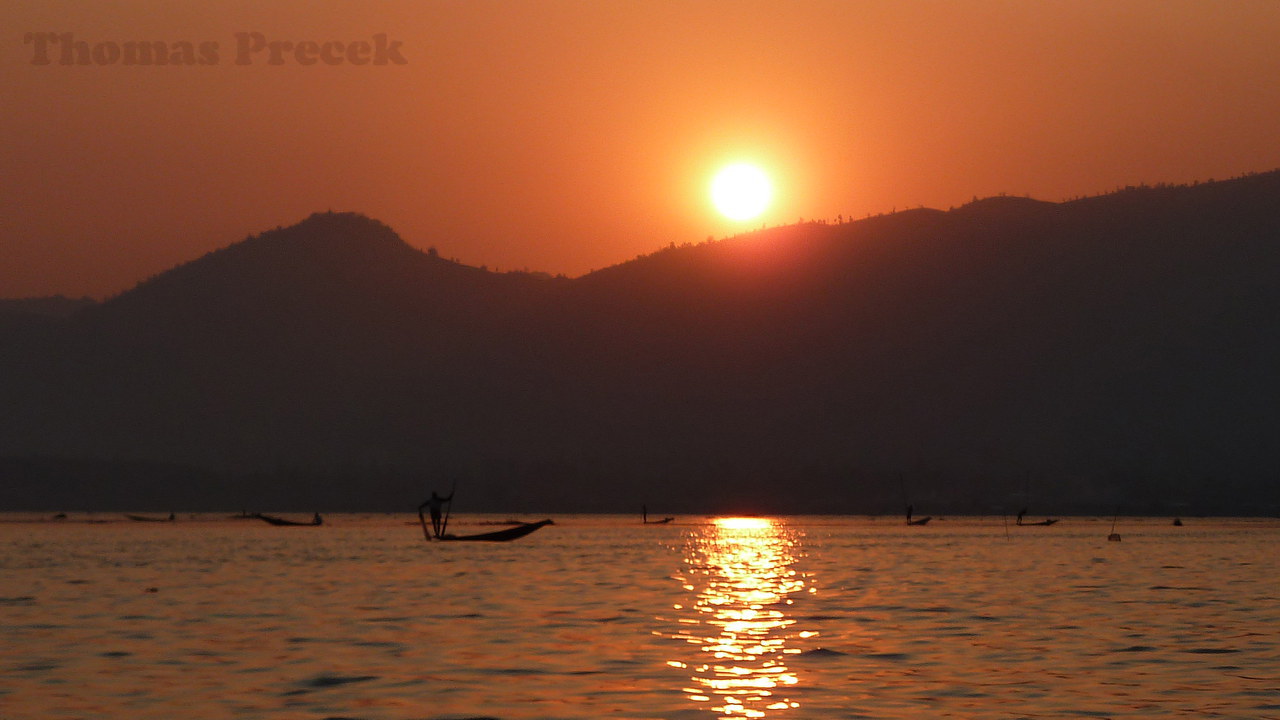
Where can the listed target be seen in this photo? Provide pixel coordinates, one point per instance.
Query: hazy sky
(566, 136)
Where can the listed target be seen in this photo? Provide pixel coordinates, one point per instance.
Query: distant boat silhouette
(918, 521)
(315, 520)
(145, 518)
(1043, 523)
(902, 485)
(1026, 492)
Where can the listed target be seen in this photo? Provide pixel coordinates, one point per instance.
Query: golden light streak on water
(201, 619)
(742, 574)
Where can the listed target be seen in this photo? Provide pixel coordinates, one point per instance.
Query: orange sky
(566, 136)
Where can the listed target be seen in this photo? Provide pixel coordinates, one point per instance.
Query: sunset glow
(565, 137)
(824, 343)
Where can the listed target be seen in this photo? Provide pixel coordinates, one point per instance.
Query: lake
(603, 617)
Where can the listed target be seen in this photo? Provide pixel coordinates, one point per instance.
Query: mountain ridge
(1107, 344)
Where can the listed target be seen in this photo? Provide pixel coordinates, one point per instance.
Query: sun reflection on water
(742, 576)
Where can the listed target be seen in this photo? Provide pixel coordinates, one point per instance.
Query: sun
(741, 191)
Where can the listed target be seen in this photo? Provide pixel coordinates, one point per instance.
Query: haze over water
(600, 616)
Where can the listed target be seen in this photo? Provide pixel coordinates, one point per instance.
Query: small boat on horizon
(916, 521)
(273, 520)
(1041, 523)
(146, 518)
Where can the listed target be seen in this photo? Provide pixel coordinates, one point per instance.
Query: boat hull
(282, 522)
(503, 535)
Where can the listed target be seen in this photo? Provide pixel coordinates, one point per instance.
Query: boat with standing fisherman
(439, 523)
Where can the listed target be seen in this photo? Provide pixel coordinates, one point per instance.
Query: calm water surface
(600, 616)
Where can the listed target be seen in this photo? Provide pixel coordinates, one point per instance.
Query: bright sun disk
(741, 191)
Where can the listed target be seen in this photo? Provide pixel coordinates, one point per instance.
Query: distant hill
(1118, 349)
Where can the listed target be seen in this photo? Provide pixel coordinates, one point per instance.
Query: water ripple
(327, 681)
(843, 619)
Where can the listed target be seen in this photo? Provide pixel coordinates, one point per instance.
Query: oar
(445, 523)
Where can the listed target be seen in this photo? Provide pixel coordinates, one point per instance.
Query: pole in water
(1114, 536)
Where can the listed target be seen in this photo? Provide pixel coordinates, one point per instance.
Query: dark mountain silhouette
(35, 311)
(1120, 348)
(56, 306)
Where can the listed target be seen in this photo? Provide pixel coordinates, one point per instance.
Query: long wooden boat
(317, 520)
(147, 518)
(503, 535)
(1041, 523)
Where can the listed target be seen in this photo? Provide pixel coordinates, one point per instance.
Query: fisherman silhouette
(434, 504)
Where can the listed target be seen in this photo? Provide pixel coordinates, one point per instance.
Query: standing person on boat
(434, 504)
